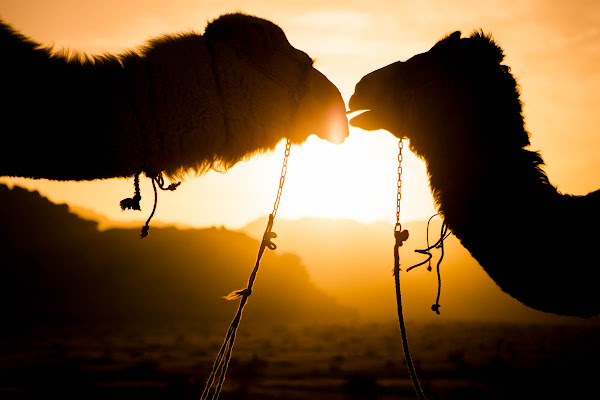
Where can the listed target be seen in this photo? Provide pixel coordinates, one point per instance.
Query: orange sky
(553, 48)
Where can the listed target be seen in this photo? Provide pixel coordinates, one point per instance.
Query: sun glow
(356, 179)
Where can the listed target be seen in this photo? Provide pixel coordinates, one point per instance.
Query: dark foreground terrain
(337, 361)
(295, 341)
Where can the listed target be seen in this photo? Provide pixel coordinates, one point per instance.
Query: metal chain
(399, 184)
(223, 358)
(288, 145)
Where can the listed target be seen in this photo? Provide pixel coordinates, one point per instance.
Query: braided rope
(221, 363)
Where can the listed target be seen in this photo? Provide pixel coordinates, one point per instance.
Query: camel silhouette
(185, 102)
(459, 107)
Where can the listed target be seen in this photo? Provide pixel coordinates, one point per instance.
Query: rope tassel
(133, 203)
(427, 251)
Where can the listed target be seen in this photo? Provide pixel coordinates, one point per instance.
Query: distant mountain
(104, 223)
(354, 261)
(58, 267)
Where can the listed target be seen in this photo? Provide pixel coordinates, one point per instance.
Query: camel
(460, 110)
(182, 103)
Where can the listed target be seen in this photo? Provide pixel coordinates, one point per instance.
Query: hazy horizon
(352, 262)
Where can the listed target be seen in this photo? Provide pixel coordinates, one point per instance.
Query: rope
(146, 227)
(133, 203)
(221, 363)
(427, 251)
(400, 236)
(409, 362)
(436, 306)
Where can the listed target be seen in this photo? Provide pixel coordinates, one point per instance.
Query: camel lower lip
(356, 111)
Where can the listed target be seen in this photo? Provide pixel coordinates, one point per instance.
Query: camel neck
(471, 188)
(63, 112)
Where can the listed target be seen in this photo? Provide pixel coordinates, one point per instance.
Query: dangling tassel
(427, 251)
(156, 180)
(133, 203)
(146, 227)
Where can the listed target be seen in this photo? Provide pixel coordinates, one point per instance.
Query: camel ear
(449, 41)
(453, 37)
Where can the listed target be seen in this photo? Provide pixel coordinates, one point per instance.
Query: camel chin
(367, 120)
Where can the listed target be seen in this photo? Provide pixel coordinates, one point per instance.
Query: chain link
(288, 145)
(399, 185)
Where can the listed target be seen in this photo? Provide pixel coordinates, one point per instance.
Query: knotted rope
(133, 203)
(224, 356)
(427, 251)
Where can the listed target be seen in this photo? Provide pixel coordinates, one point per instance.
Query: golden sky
(553, 48)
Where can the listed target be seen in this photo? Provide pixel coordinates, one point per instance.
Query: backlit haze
(552, 47)
(322, 320)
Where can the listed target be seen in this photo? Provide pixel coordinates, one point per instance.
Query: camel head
(306, 102)
(183, 102)
(442, 99)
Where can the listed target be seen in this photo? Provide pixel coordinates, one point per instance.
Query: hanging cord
(133, 203)
(146, 226)
(436, 306)
(427, 251)
(160, 181)
(223, 357)
(400, 236)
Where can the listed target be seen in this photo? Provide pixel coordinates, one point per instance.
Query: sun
(356, 180)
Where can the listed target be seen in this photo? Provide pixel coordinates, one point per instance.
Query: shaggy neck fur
(498, 201)
(186, 102)
(532, 240)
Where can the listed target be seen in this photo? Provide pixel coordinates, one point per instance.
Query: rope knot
(267, 242)
(236, 294)
(131, 203)
(160, 181)
(144, 231)
(401, 236)
(436, 308)
(134, 202)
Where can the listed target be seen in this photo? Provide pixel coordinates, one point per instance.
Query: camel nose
(333, 121)
(374, 87)
(363, 95)
(337, 129)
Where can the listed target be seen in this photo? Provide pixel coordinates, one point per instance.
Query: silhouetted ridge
(57, 267)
